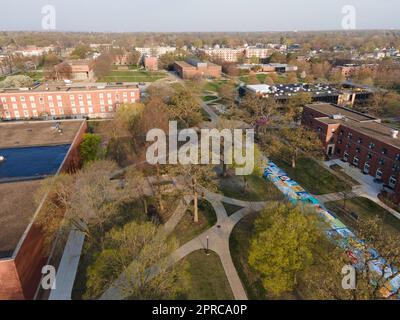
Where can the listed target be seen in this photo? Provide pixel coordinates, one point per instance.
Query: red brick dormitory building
(359, 139)
(65, 101)
(194, 68)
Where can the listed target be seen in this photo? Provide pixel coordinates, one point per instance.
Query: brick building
(226, 54)
(53, 147)
(66, 101)
(258, 52)
(78, 70)
(359, 139)
(155, 51)
(151, 63)
(194, 68)
(349, 70)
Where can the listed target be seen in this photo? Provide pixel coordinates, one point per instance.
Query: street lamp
(207, 253)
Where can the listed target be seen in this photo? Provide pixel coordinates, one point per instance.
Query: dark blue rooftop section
(31, 162)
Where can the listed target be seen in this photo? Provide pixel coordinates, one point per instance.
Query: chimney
(394, 134)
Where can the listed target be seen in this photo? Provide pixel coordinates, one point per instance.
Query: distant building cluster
(155, 51)
(234, 54)
(349, 70)
(33, 51)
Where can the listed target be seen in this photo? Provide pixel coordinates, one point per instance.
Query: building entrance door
(330, 150)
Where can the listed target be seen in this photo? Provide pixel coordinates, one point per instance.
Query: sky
(198, 15)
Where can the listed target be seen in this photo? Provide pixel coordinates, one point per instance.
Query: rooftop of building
(275, 65)
(37, 133)
(372, 129)
(17, 210)
(194, 63)
(333, 110)
(62, 86)
(315, 89)
(31, 151)
(78, 62)
(363, 123)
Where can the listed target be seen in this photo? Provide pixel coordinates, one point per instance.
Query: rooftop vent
(394, 134)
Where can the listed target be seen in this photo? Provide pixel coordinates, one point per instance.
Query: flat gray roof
(332, 109)
(37, 133)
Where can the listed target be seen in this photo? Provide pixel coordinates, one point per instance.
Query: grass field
(209, 98)
(231, 208)
(186, 229)
(133, 76)
(258, 189)
(35, 75)
(213, 85)
(364, 209)
(208, 280)
(313, 177)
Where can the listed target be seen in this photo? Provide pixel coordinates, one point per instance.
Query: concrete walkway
(68, 267)
(334, 196)
(69, 263)
(218, 241)
(367, 188)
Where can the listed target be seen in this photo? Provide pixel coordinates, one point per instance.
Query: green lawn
(208, 280)
(231, 208)
(213, 85)
(239, 244)
(132, 76)
(35, 75)
(187, 230)
(339, 170)
(258, 188)
(363, 208)
(209, 98)
(260, 77)
(312, 176)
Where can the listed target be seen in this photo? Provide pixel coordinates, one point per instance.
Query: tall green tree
(90, 148)
(300, 140)
(141, 251)
(282, 245)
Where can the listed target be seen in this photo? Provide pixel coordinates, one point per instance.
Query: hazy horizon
(199, 16)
